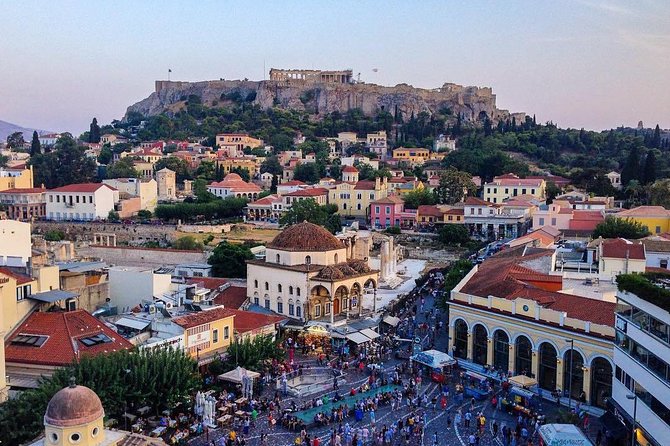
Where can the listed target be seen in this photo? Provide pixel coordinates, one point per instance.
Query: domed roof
(73, 406)
(232, 176)
(305, 236)
(330, 273)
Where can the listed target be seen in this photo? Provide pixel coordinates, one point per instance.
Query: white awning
(358, 338)
(135, 324)
(392, 321)
(369, 333)
(563, 434)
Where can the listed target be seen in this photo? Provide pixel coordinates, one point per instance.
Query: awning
(237, 374)
(357, 338)
(522, 392)
(475, 375)
(392, 321)
(434, 358)
(563, 434)
(523, 381)
(370, 333)
(135, 324)
(53, 296)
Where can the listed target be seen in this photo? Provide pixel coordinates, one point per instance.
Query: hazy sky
(580, 63)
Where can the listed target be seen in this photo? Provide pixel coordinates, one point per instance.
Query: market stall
(522, 402)
(477, 386)
(436, 363)
(523, 381)
(562, 434)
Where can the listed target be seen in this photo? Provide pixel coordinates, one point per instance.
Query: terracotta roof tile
(249, 321)
(82, 187)
(202, 317)
(305, 237)
(232, 298)
(619, 248)
(64, 331)
(20, 278)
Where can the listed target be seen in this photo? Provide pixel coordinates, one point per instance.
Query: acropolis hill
(322, 92)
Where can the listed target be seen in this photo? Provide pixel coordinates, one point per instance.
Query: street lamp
(572, 347)
(632, 435)
(125, 404)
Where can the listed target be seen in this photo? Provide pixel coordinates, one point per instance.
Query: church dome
(73, 406)
(306, 237)
(330, 273)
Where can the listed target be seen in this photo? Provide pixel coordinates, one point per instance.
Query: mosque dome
(73, 406)
(305, 237)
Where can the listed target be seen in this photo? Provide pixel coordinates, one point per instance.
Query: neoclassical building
(509, 313)
(308, 274)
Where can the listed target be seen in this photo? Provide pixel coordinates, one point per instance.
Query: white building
(615, 179)
(167, 184)
(129, 285)
(642, 360)
(85, 201)
(234, 186)
(49, 139)
(444, 143)
(351, 160)
(15, 245)
(147, 190)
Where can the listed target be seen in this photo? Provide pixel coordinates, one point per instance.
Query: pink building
(390, 211)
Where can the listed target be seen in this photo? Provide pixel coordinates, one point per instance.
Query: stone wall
(125, 234)
(329, 97)
(148, 257)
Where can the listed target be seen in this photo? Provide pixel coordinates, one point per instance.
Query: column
(511, 363)
(559, 374)
(332, 311)
(469, 345)
(489, 351)
(534, 364)
(452, 333)
(587, 384)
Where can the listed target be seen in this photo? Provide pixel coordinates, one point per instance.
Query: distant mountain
(7, 128)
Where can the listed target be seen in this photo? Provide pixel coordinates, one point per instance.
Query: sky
(579, 63)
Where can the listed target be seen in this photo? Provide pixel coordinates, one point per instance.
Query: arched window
(308, 260)
(298, 309)
(279, 287)
(278, 258)
(460, 339)
(297, 291)
(601, 381)
(479, 344)
(524, 356)
(267, 286)
(500, 350)
(336, 258)
(255, 283)
(290, 290)
(577, 375)
(547, 373)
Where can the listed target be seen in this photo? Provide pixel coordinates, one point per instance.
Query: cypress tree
(94, 132)
(631, 170)
(656, 138)
(35, 145)
(650, 168)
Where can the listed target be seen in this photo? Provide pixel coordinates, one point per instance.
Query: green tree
(66, 164)
(123, 168)
(659, 193)
(656, 138)
(15, 140)
(271, 164)
(600, 185)
(159, 377)
(457, 271)
(243, 173)
(35, 145)
(187, 243)
(307, 172)
(631, 170)
(614, 227)
(418, 197)
(454, 234)
(201, 192)
(229, 260)
(179, 166)
(649, 173)
(105, 156)
(229, 207)
(309, 210)
(54, 235)
(454, 186)
(552, 191)
(253, 353)
(206, 170)
(94, 132)
(144, 214)
(113, 216)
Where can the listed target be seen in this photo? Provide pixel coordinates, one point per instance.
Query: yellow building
(251, 165)
(411, 156)
(206, 333)
(509, 313)
(402, 186)
(13, 178)
(353, 199)
(509, 185)
(233, 144)
(655, 218)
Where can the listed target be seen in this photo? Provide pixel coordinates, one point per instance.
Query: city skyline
(591, 64)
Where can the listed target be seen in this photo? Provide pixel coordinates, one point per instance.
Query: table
(240, 401)
(240, 413)
(143, 410)
(158, 431)
(225, 420)
(223, 409)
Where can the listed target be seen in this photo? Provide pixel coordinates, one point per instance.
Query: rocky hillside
(7, 128)
(471, 102)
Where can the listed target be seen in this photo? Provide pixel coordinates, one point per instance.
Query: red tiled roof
(28, 190)
(474, 201)
(64, 331)
(232, 298)
(350, 169)
(644, 211)
(365, 185)
(619, 248)
(314, 192)
(430, 210)
(265, 200)
(211, 283)
(249, 321)
(202, 317)
(455, 211)
(20, 278)
(235, 183)
(502, 276)
(391, 199)
(293, 183)
(81, 187)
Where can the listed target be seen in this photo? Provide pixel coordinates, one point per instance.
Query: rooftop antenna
(169, 71)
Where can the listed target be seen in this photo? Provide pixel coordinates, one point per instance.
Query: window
(297, 291)
(298, 310)
(215, 336)
(100, 338)
(336, 258)
(278, 258)
(279, 287)
(553, 221)
(77, 199)
(51, 198)
(90, 198)
(256, 300)
(29, 340)
(488, 190)
(506, 190)
(479, 211)
(360, 196)
(388, 209)
(372, 196)
(291, 309)
(290, 290)
(541, 222)
(327, 311)
(267, 303)
(57, 198)
(523, 191)
(376, 209)
(658, 229)
(267, 286)
(255, 283)
(317, 310)
(664, 263)
(358, 206)
(532, 191)
(19, 293)
(280, 307)
(226, 332)
(308, 260)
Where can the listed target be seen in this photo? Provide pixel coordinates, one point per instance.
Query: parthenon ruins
(312, 76)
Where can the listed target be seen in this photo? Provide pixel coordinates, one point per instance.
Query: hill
(7, 128)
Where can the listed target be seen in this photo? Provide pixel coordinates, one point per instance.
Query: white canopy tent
(357, 337)
(562, 434)
(370, 333)
(523, 381)
(434, 358)
(237, 374)
(392, 321)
